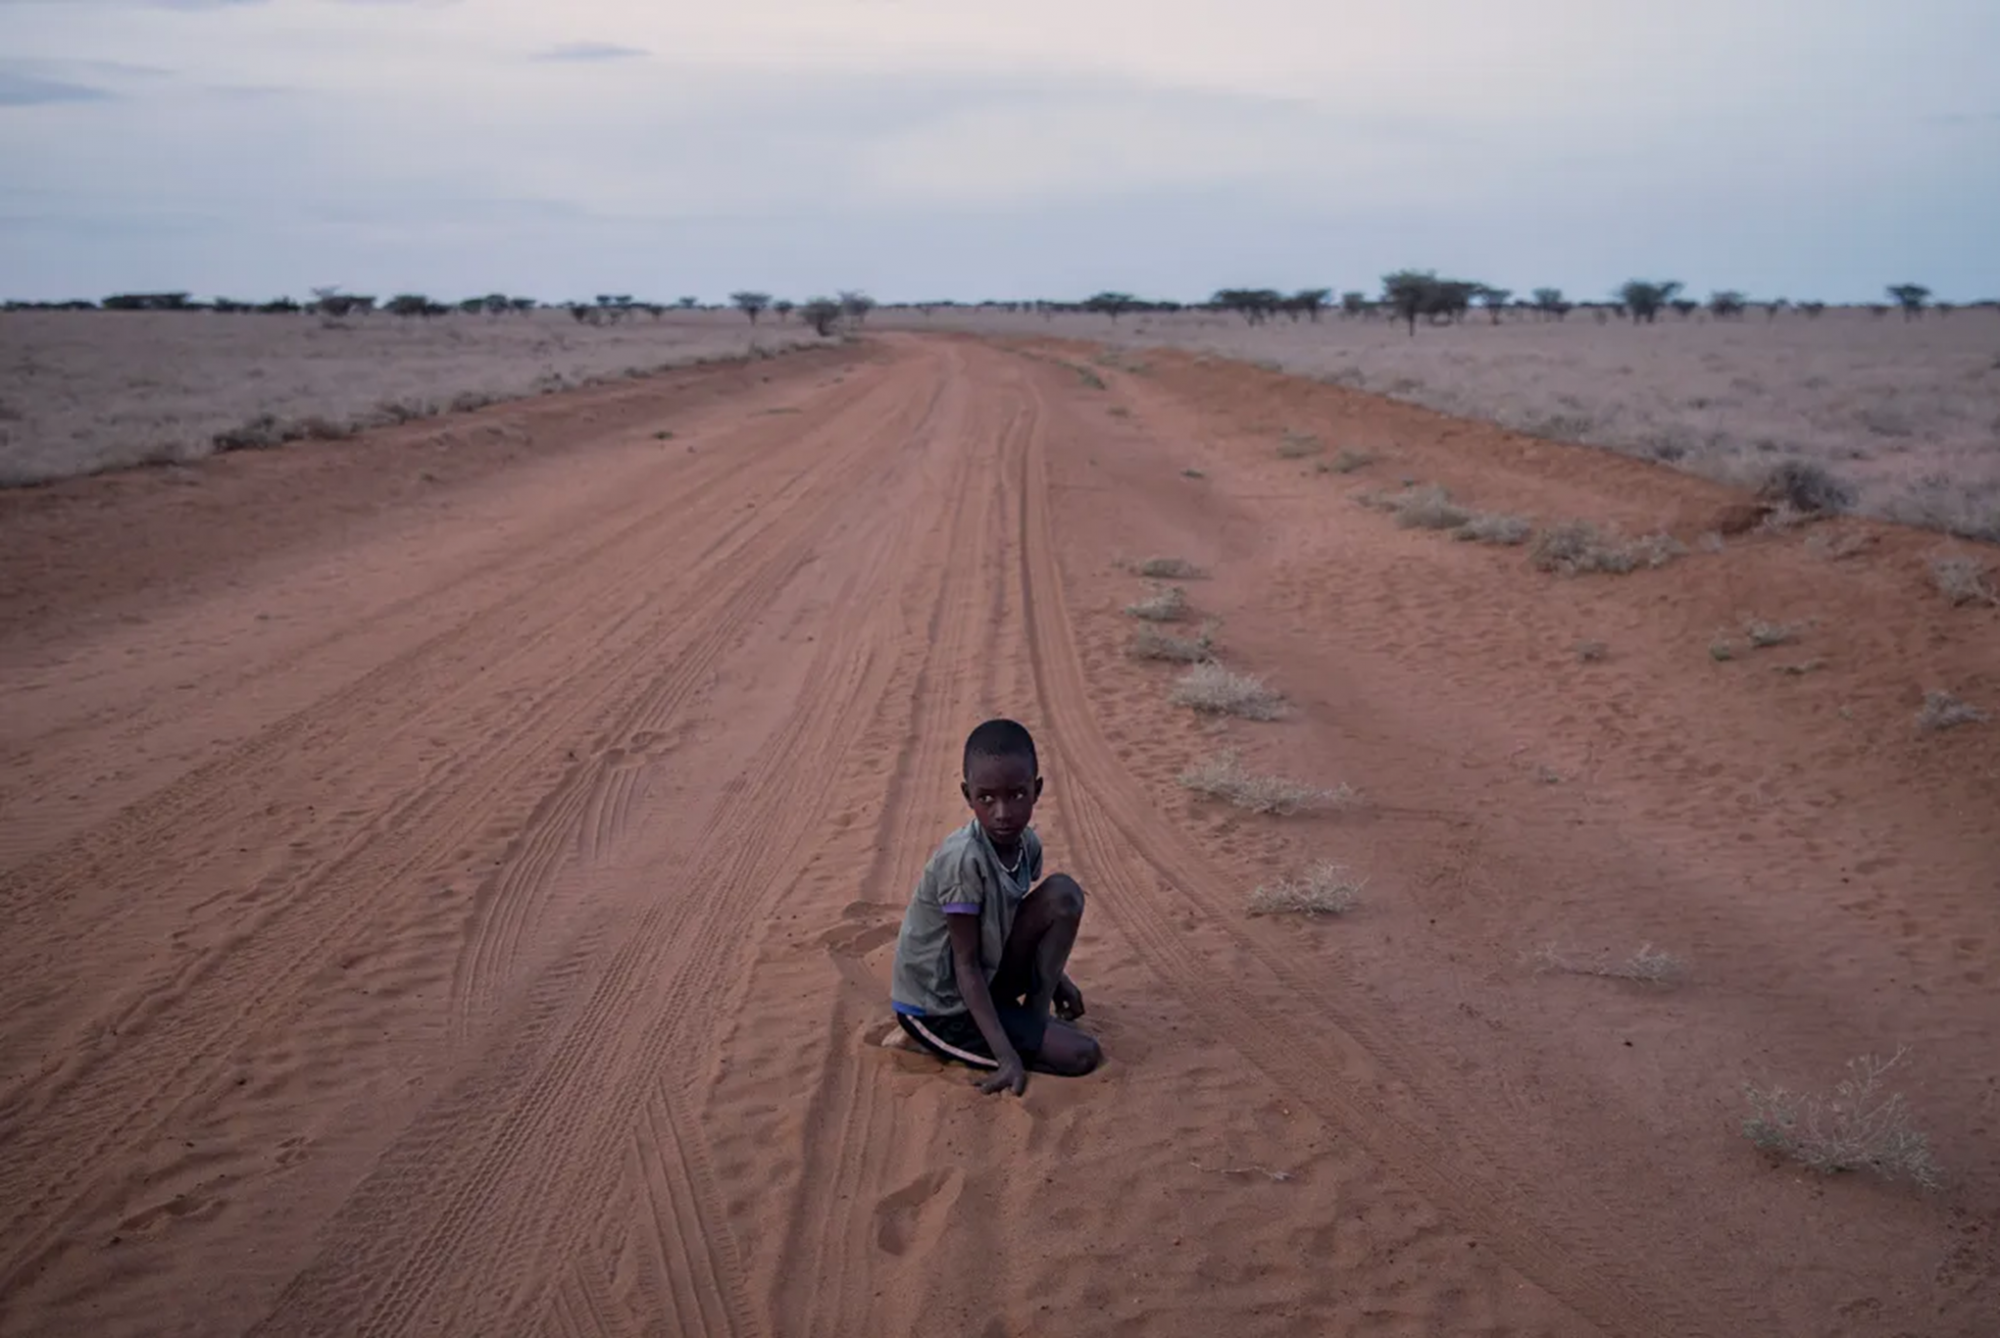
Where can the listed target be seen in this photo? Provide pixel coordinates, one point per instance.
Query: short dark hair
(1001, 738)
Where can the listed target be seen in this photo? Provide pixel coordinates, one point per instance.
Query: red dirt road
(449, 881)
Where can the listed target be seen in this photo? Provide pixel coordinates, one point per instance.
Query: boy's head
(1002, 780)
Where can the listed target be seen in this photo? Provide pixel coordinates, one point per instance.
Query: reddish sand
(450, 877)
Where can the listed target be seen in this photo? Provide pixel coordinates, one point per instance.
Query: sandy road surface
(449, 882)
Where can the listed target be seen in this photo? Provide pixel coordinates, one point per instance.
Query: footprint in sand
(917, 1210)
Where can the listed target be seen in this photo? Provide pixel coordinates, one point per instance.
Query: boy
(979, 962)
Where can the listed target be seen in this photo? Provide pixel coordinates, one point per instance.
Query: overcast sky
(944, 148)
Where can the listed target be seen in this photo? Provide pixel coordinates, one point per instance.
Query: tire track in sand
(851, 1124)
(189, 1050)
(1119, 828)
(186, 1037)
(453, 1226)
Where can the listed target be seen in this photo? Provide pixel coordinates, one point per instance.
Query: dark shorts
(956, 1038)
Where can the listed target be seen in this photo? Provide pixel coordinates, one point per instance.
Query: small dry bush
(1214, 690)
(1806, 487)
(1487, 528)
(1347, 461)
(1590, 652)
(1860, 1127)
(1764, 635)
(1150, 643)
(1325, 888)
(1576, 546)
(1941, 710)
(1963, 580)
(1166, 605)
(1170, 569)
(1222, 777)
(1420, 508)
(1647, 966)
(1299, 445)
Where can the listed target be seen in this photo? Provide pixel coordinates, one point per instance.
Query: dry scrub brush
(1941, 710)
(1223, 777)
(1170, 569)
(1764, 635)
(1214, 690)
(1576, 546)
(1859, 1127)
(1325, 888)
(1166, 605)
(1963, 580)
(1298, 445)
(1150, 643)
(1488, 528)
(1647, 966)
(1421, 508)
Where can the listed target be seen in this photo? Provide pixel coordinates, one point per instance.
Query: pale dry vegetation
(1859, 1127)
(1223, 777)
(1963, 580)
(1646, 966)
(1166, 605)
(1298, 446)
(1169, 569)
(1153, 643)
(1941, 710)
(90, 391)
(1491, 528)
(1324, 888)
(1900, 416)
(1577, 547)
(1213, 690)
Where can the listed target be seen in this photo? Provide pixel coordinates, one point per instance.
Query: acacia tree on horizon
(1910, 297)
(751, 304)
(1644, 298)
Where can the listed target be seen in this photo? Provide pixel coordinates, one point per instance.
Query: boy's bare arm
(964, 931)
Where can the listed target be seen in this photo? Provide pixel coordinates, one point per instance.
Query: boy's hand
(1011, 1073)
(1068, 1000)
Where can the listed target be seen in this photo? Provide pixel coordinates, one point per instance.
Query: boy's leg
(1038, 949)
(1031, 967)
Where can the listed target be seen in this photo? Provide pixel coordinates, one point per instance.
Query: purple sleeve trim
(961, 908)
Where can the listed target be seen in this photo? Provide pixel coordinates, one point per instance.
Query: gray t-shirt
(965, 876)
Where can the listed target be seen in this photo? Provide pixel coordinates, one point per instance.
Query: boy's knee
(1065, 895)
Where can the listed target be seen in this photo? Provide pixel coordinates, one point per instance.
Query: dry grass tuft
(1166, 605)
(1348, 460)
(1170, 569)
(1802, 668)
(1963, 580)
(1859, 1127)
(1222, 777)
(1150, 643)
(1299, 445)
(1721, 650)
(1420, 508)
(1214, 690)
(1323, 889)
(1647, 966)
(1764, 635)
(1941, 710)
(1488, 528)
(1575, 547)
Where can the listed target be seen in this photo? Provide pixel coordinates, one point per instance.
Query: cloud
(28, 90)
(590, 51)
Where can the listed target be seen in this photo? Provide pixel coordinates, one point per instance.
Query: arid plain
(450, 873)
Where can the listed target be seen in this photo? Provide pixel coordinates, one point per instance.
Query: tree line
(1410, 296)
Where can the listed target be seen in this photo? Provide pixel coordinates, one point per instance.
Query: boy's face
(1002, 792)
